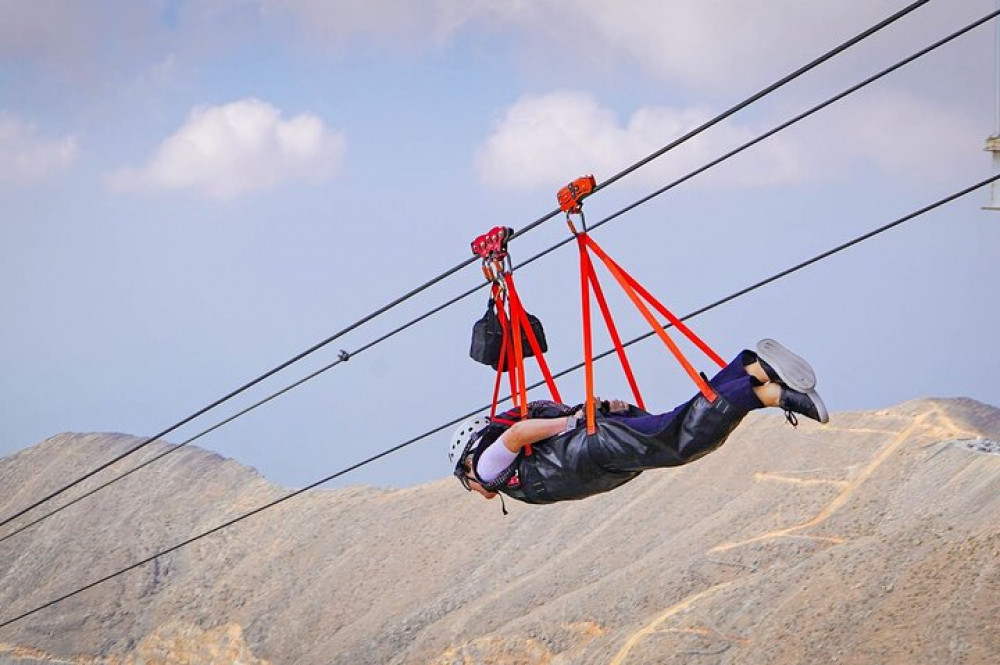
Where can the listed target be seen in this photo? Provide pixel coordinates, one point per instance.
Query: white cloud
(708, 44)
(224, 151)
(712, 44)
(27, 157)
(547, 140)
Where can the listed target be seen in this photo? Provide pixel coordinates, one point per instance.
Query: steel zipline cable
(532, 259)
(385, 308)
(718, 303)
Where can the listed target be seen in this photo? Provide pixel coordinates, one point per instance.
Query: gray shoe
(784, 367)
(806, 403)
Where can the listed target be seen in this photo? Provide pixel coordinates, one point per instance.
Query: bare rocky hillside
(874, 539)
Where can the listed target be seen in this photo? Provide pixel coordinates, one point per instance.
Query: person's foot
(784, 367)
(806, 403)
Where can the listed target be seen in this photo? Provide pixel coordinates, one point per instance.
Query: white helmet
(465, 435)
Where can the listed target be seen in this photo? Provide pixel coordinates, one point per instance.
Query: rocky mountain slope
(874, 539)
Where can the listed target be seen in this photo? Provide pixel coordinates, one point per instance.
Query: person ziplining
(545, 451)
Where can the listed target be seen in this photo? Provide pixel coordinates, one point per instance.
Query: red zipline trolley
(491, 247)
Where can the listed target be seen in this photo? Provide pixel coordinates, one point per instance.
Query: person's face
(473, 484)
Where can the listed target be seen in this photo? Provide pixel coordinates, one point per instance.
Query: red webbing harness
(570, 200)
(492, 248)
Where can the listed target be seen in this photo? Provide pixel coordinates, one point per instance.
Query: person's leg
(746, 385)
(737, 368)
(781, 382)
(791, 401)
(650, 424)
(808, 403)
(700, 426)
(739, 377)
(745, 393)
(782, 366)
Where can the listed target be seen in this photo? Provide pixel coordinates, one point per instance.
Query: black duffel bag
(487, 339)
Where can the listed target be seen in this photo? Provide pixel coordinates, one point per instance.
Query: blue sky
(193, 192)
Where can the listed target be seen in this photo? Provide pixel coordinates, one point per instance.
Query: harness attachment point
(520, 334)
(492, 245)
(571, 196)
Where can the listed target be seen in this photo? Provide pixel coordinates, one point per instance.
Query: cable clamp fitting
(571, 199)
(491, 247)
(344, 356)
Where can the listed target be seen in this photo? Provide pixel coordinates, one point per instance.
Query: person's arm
(529, 432)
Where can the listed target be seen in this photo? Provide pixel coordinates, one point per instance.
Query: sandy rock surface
(874, 539)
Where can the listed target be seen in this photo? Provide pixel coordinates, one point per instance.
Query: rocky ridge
(872, 539)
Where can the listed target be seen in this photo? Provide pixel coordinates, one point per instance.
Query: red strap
(506, 359)
(496, 383)
(588, 346)
(628, 284)
(510, 361)
(518, 367)
(676, 322)
(503, 350)
(612, 329)
(516, 306)
(511, 348)
(518, 384)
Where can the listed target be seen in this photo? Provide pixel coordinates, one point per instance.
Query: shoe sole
(824, 415)
(793, 370)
